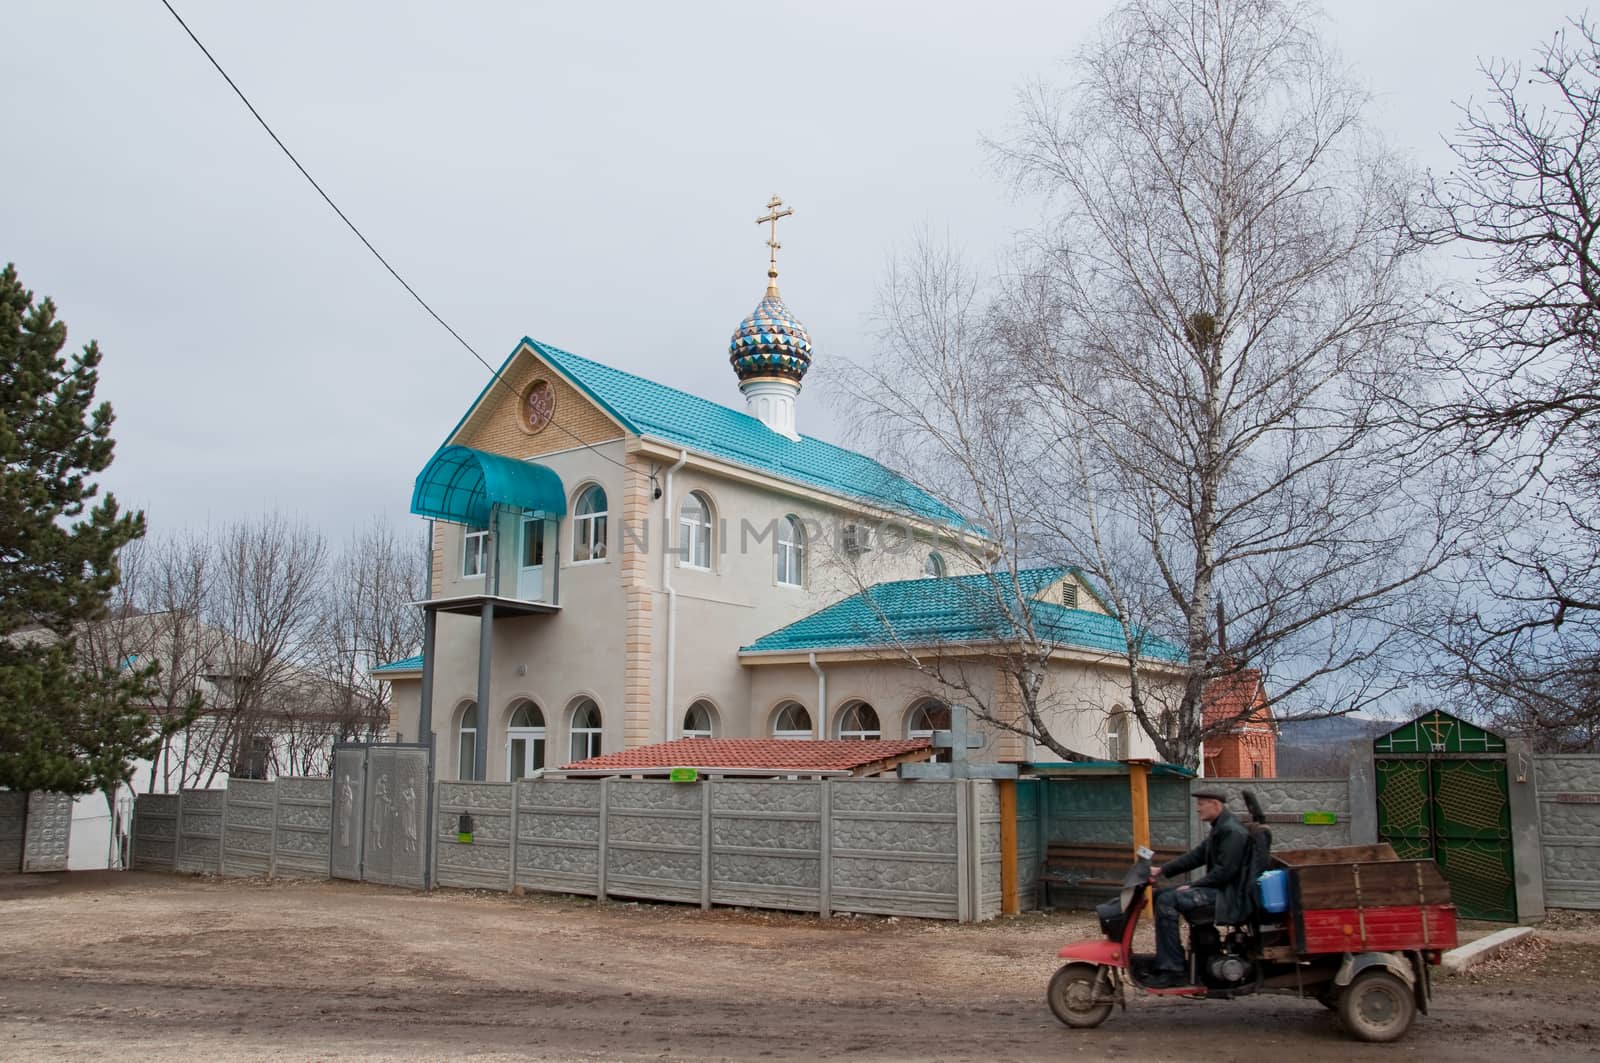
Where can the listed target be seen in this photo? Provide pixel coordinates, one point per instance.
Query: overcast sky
(586, 174)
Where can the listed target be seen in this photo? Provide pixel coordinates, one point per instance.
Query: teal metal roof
(460, 485)
(646, 408)
(955, 609)
(404, 664)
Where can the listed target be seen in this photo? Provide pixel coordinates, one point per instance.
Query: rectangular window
(1069, 596)
(589, 538)
(789, 564)
(474, 553)
(467, 755)
(694, 544)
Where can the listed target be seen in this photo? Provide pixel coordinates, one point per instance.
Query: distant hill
(1334, 730)
(1311, 748)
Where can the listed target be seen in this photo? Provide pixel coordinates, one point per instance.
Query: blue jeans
(1169, 940)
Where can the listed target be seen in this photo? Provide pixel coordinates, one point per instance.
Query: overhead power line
(493, 372)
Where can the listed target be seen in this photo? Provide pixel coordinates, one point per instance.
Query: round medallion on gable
(538, 405)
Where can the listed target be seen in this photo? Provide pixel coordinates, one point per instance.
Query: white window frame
(710, 730)
(593, 737)
(789, 553)
(792, 734)
(695, 535)
(1117, 735)
(475, 543)
(933, 565)
(466, 765)
(858, 733)
(590, 530)
(530, 734)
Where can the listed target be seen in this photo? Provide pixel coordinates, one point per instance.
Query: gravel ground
(111, 966)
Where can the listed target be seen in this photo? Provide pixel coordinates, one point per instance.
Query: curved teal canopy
(461, 485)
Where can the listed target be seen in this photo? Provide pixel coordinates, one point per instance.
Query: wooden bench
(1106, 862)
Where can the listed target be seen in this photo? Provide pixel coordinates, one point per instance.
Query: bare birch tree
(1209, 355)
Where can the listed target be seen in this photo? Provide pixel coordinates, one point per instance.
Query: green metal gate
(1442, 796)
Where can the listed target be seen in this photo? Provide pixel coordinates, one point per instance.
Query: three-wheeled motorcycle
(1354, 928)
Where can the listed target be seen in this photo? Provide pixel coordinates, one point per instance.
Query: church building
(617, 563)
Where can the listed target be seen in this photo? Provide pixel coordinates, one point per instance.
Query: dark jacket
(1223, 853)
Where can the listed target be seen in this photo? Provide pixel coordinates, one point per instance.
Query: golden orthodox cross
(772, 216)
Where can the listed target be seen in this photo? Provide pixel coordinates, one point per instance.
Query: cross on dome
(772, 216)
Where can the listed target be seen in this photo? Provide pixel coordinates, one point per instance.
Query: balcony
(511, 511)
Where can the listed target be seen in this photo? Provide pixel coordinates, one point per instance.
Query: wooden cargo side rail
(1362, 898)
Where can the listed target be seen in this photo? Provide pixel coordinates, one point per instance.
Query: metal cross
(772, 216)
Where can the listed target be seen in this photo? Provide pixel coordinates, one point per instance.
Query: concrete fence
(893, 847)
(923, 848)
(1568, 788)
(35, 829)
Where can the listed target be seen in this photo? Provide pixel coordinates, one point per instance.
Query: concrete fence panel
(766, 843)
(304, 826)
(155, 832)
(558, 836)
(896, 848)
(1569, 828)
(200, 815)
(484, 862)
(49, 832)
(986, 808)
(250, 822)
(13, 826)
(654, 837)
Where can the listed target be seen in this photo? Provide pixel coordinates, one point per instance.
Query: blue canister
(1274, 888)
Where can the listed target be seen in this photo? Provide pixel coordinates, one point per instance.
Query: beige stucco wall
(1076, 702)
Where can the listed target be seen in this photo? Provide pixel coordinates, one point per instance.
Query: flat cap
(1215, 793)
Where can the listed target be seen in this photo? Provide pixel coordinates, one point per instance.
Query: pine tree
(63, 726)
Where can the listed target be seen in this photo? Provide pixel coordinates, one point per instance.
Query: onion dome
(771, 342)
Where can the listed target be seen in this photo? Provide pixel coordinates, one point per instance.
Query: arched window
(700, 721)
(1117, 735)
(791, 721)
(585, 729)
(791, 552)
(589, 525)
(926, 717)
(934, 565)
(467, 742)
(694, 531)
(524, 741)
(859, 720)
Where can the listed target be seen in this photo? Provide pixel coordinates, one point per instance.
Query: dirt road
(140, 966)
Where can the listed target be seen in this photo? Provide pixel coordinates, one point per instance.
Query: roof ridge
(564, 353)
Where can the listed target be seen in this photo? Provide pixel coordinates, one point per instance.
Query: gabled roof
(1232, 696)
(954, 610)
(779, 756)
(658, 412)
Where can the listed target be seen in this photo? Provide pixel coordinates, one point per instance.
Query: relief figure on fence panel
(408, 823)
(383, 810)
(347, 797)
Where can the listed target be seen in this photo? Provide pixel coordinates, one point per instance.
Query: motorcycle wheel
(1377, 1006)
(1071, 996)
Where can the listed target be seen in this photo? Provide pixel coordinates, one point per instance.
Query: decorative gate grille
(1442, 796)
(381, 798)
